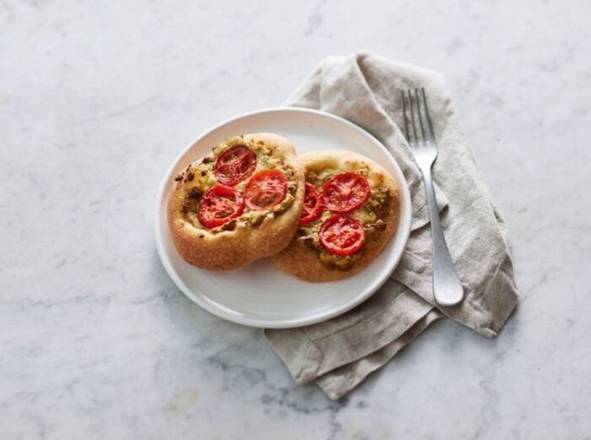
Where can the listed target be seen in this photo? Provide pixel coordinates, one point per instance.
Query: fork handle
(447, 287)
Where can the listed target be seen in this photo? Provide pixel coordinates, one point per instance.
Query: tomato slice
(313, 205)
(219, 205)
(342, 235)
(265, 189)
(235, 164)
(345, 192)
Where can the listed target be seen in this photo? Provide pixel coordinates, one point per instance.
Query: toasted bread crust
(302, 261)
(225, 250)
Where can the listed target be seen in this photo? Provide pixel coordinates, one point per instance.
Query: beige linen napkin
(338, 354)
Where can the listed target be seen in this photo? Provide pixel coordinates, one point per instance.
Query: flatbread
(252, 235)
(305, 257)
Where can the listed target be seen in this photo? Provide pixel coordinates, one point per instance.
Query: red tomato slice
(265, 189)
(219, 205)
(342, 235)
(235, 164)
(313, 205)
(345, 192)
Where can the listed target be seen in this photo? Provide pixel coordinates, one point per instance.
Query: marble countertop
(96, 100)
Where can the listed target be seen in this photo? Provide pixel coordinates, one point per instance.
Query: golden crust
(226, 250)
(302, 261)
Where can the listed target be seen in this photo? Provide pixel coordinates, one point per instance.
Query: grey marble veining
(97, 98)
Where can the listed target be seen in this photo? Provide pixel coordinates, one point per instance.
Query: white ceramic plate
(259, 295)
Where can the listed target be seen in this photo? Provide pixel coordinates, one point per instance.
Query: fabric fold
(343, 379)
(310, 351)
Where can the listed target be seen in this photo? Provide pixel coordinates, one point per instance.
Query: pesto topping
(370, 215)
(199, 176)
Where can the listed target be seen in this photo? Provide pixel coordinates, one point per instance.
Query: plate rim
(217, 310)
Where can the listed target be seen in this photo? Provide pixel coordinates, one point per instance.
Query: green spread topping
(200, 176)
(370, 215)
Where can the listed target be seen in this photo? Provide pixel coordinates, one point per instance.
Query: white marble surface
(97, 99)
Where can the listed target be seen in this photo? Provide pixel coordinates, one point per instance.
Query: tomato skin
(219, 197)
(313, 205)
(265, 189)
(342, 235)
(345, 192)
(235, 164)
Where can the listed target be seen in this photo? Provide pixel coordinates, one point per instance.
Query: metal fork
(447, 287)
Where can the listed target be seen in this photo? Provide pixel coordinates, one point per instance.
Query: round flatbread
(351, 210)
(239, 203)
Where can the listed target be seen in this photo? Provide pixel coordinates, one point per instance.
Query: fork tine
(419, 115)
(405, 116)
(427, 114)
(412, 116)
